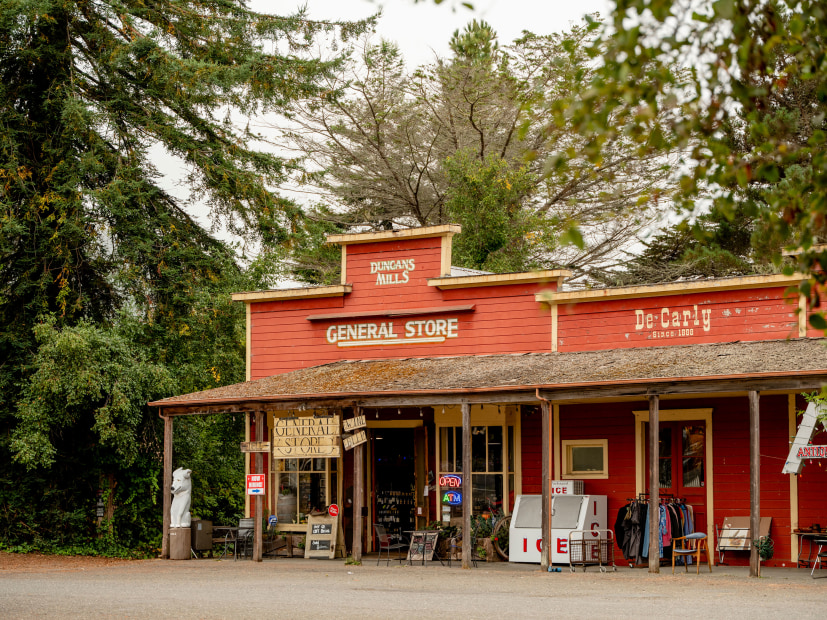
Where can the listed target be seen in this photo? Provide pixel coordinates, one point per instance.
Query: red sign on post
(333, 510)
(255, 484)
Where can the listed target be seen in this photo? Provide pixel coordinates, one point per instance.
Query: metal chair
(244, 538)
(386, 544)
(821, 555)
(693, 544)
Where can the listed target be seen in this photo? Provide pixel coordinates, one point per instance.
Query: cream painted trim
(308, 292)
(792, 427)
(386, 235)
(658, 290)
(677, 415)
(246, 465)
(558, 469)
(343, 277)
(554, 328)
(248, 340)
(499, 279)
(565, 444)
(445, 256)
(393, 423)
(802, 318)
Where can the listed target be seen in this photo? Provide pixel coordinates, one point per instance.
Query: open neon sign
(452, 498)
(450, 481)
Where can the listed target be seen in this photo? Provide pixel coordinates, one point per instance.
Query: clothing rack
(664, 498)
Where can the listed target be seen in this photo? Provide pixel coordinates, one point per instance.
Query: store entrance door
(394, 479)
(683, 465)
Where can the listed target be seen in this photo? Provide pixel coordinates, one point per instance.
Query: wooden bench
(734, 534)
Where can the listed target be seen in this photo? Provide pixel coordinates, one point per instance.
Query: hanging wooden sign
(255, 446)
(353, 423)
(355, 439)
(306, 437)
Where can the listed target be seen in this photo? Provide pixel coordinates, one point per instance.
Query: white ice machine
(568, 513)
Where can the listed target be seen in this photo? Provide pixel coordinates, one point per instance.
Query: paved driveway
(299, 588)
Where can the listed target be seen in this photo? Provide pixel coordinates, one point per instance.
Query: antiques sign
(812, 452)
(306, 437)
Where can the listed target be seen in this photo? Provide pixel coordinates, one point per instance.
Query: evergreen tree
(105, 274)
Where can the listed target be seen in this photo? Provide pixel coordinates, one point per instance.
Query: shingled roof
(776, 358)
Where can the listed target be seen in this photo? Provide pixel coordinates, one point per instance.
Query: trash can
(179, 543)
(201, 535)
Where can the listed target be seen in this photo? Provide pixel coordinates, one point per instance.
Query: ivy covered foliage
(112, 291)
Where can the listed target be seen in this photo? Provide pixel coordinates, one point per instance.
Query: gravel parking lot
(57, 587)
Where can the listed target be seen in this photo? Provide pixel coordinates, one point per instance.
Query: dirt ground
(37, 586)
(37, 562)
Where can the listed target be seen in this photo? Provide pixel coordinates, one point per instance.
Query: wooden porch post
(259, 511)
(545, 550)
(466, 485)
(654, 484)
(167, 484)
(754, 483)
(358, 495)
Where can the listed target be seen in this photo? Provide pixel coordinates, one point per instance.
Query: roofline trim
(444, 230)
(662, 290)
(499, 279)
(286, 294)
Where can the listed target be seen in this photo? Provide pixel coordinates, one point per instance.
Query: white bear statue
(181, 498)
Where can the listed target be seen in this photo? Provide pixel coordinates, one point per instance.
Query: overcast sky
(423, 28)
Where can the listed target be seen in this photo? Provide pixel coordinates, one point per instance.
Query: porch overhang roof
(765, 366)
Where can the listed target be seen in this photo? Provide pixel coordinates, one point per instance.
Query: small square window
(585, 458)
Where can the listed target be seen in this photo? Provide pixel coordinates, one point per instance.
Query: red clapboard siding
(615, 422)
(730, 421)
(723, 316)
(531, 444)
(283, 341)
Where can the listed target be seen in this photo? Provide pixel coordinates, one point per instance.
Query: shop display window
(492, 466)
(303, 486)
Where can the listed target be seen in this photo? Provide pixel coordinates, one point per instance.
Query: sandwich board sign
(325, 539)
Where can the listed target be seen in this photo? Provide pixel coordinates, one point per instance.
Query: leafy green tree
(99, 260)
(750, 109)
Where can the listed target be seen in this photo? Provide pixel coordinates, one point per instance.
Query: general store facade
(514, 379)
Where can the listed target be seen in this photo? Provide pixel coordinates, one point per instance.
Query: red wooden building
(517, 381)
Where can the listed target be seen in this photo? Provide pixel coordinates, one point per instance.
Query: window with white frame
(585, 458)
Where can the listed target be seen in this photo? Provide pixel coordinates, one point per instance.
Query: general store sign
(417, 331)
(306, 437)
